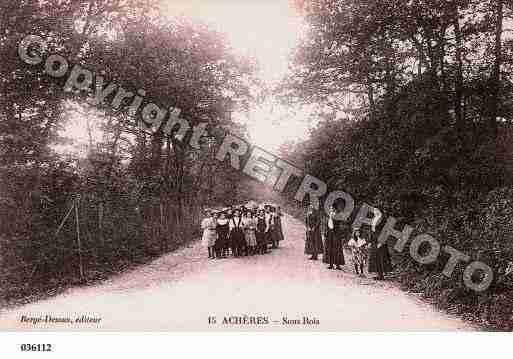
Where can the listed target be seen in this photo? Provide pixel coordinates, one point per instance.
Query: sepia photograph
(256, 166)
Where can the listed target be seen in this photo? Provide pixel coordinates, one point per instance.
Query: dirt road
(180, 291)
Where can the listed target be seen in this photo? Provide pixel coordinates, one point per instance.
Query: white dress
(249, 225)
(209, 232)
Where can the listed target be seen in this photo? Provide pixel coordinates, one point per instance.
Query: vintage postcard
(256, 166)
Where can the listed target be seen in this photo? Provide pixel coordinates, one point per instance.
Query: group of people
(252, 230)
(365, 249)
(242, 231)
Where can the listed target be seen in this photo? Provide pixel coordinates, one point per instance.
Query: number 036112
(36, 347)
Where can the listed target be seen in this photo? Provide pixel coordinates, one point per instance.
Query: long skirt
(237, 238)
(325, 255)
(313, 245)
(250, 237)
(276, 234)
(209, 237)
(260, 238)
(379, 259)
(334, 250)
(279, 230)
(343, 234)
(269, 237)
(222, 241)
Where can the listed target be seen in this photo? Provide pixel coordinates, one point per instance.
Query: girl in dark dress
(269, 222)
(223, 228)
(272, 228)
(228, 243)
(313, 245)
(277, 230)
(379, 256)
(260, 233)
(334, 241)
(237, 240)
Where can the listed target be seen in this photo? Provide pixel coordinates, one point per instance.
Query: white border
(260, 345)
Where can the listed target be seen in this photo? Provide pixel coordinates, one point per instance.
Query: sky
(268, 31)
(265, 30)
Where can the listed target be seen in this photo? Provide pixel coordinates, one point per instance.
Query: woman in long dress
(237, 240)
(249, 225)
(209, 233)
(223, 229)
(272, 228)
(269, 221)
(379, 256)
(277, 232)
(313, 245)
(261, 232)
(334, 241)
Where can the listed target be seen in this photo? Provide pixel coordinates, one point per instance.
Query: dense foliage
(123, 195)
(416, 108)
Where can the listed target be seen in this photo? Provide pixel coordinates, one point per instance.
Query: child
(237, 234)
(249, 224)
(223, 229)
(357, 245)
(261, 232)
(209, 233)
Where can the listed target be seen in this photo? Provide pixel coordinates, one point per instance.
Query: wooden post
(178, 226)
(77, 203)
(100, 223)
(64, 220)
(163, 239)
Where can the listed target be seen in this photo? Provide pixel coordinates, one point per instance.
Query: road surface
(182, 290)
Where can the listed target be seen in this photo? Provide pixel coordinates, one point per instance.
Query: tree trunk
(100, 224)
(156, 153)
(458, 88)
(370, 94)
(496, 76)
